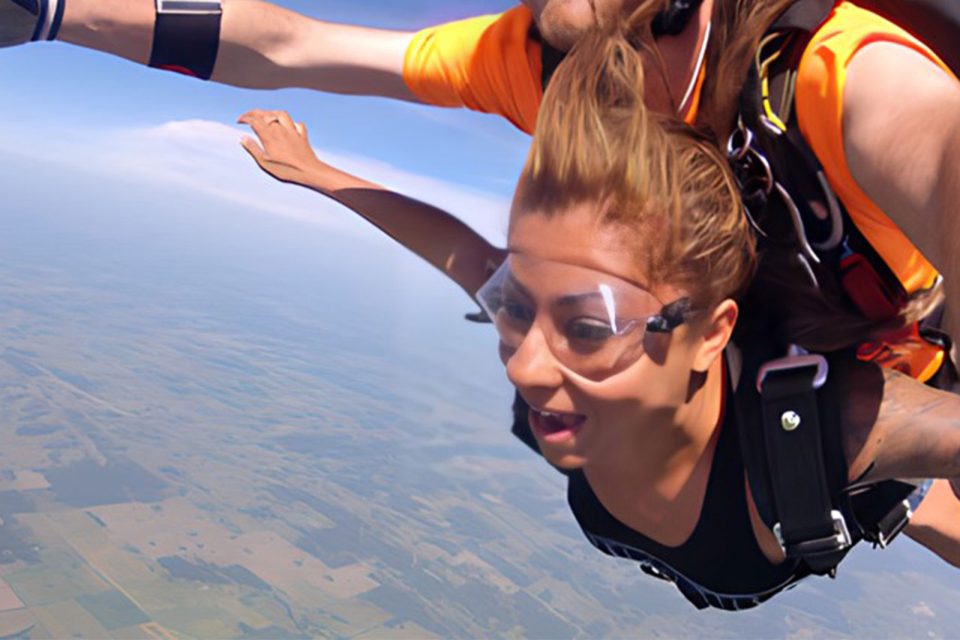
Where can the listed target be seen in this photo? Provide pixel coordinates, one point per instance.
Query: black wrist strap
(186, 37)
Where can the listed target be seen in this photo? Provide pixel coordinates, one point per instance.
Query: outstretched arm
(284, 152)
(261, 46)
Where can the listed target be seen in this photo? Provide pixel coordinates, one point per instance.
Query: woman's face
(576, 419)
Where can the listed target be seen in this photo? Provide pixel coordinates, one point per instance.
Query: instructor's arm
(262, 46)
(902, 139)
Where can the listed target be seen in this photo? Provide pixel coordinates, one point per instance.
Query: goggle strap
(670, 317)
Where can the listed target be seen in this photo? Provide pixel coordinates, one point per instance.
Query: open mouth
(555, 427)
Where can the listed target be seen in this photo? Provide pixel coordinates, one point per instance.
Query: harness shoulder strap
(784, 185)
(788, 412)
(808, 526)
(935, 22)
(550, 59)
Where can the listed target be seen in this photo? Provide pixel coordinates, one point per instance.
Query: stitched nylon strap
(794, 444)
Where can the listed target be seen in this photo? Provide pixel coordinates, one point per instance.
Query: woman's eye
(588, 329)
(518, 312)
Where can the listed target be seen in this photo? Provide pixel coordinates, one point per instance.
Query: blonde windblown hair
(668, 186)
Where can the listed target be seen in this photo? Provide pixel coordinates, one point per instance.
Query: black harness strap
(804, 15)
(550, 59)
(783, 183)
(790, 438)
(935, 22)
(809, 527)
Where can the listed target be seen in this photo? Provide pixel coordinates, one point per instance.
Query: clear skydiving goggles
(595, 324)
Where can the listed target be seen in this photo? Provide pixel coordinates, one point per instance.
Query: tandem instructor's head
(563, 22)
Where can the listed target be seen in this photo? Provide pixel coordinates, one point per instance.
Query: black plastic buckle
(892, 524)
(839, 541)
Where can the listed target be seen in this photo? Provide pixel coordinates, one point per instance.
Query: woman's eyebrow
(576, 298)
(513, 282)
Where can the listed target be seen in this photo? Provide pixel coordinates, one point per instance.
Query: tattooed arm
(912, 432)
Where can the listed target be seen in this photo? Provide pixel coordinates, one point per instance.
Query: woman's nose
(532, 364)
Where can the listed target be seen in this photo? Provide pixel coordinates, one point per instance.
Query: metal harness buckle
(796, 359)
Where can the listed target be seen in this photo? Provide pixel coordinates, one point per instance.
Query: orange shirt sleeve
(819, 100)
(489, 64)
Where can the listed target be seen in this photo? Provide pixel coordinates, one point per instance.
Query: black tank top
(721, 564)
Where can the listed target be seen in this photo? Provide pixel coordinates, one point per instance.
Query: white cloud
(206, 157)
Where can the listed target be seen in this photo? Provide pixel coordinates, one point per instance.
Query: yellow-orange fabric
(489, 64)
(819, 102)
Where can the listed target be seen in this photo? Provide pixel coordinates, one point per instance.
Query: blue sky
(73, 106)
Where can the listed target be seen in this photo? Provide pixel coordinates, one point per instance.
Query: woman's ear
(717, 329)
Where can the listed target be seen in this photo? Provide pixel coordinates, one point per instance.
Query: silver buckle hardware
(795, 362)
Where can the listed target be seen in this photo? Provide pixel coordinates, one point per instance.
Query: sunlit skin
(649, 427)
(563, 22)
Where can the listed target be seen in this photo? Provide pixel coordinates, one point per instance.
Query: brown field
(8, 599)
(25, 480)
(13, 623)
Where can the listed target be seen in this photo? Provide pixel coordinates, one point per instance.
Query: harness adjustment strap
(893, 523)
(809, 528)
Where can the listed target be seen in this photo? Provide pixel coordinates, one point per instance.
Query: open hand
(284, 149)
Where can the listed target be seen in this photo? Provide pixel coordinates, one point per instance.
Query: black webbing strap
(821, 224)
(935, 22)
(805, 15)
(809, 527)
(550, 59)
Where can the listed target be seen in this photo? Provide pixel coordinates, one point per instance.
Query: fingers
(259, 156)
(302, 130)
(273, 128)
(284, 119)
(254, 116)
(281, 147)
(259, 118)
(255, 150)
